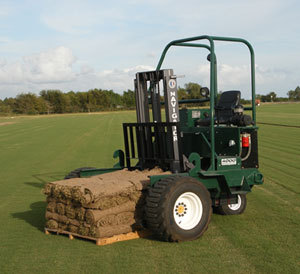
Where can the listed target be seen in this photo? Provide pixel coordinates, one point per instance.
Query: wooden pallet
(103, 241)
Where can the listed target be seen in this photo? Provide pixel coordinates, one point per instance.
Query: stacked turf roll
(100, 206)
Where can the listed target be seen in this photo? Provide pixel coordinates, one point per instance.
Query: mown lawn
(38, 149)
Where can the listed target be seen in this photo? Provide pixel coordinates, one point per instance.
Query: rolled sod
(100, 206)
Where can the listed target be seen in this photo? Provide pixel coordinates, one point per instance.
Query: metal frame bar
(213, 74)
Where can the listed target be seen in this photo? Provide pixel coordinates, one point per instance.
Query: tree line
(55, 101)
(292, 95)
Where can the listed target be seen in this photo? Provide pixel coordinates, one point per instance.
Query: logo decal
(173, 109)
(172, 83)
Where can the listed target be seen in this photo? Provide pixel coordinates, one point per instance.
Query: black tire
(76, 173)
(234, 209)
(162, 209)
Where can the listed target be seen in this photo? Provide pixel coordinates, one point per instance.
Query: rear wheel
(234, 209)
(76, 173)
(178, 209)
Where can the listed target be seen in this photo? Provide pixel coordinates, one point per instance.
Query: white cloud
(116, 79)
(110, 38)
(51, 66)
(270, 75)
(56, 69)
(227, 75)
(132, 71)
(238, 77)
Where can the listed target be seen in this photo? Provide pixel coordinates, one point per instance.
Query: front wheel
(234, 209)
(178, 209)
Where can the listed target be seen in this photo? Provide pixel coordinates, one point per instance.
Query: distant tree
(29, 103)
(82, 98)
(74, 103)
(182, 93)
(245, 102)
(4, 108)
(128, 99)
(42, 106)
(282, 99)
(55, 101)
(98, 99)
(193, 90)
(270, 97)
(58, 101)
(115, 99)
(294, 95)
(10, 104)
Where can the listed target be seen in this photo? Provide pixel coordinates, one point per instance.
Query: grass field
(35, 150)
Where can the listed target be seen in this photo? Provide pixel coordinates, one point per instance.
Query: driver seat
(225, 107)
(224, 110)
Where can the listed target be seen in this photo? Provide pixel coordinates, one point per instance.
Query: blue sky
(80, 45)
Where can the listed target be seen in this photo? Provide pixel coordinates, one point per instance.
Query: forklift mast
(157, 136)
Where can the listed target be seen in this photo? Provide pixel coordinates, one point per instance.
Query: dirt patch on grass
(6, 123)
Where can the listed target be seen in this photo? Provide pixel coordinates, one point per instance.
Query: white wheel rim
(188, 210)
(236, 206)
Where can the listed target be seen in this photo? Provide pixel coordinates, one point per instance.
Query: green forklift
(211, 152)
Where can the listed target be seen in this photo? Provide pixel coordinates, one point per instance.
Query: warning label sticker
(228, 162)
